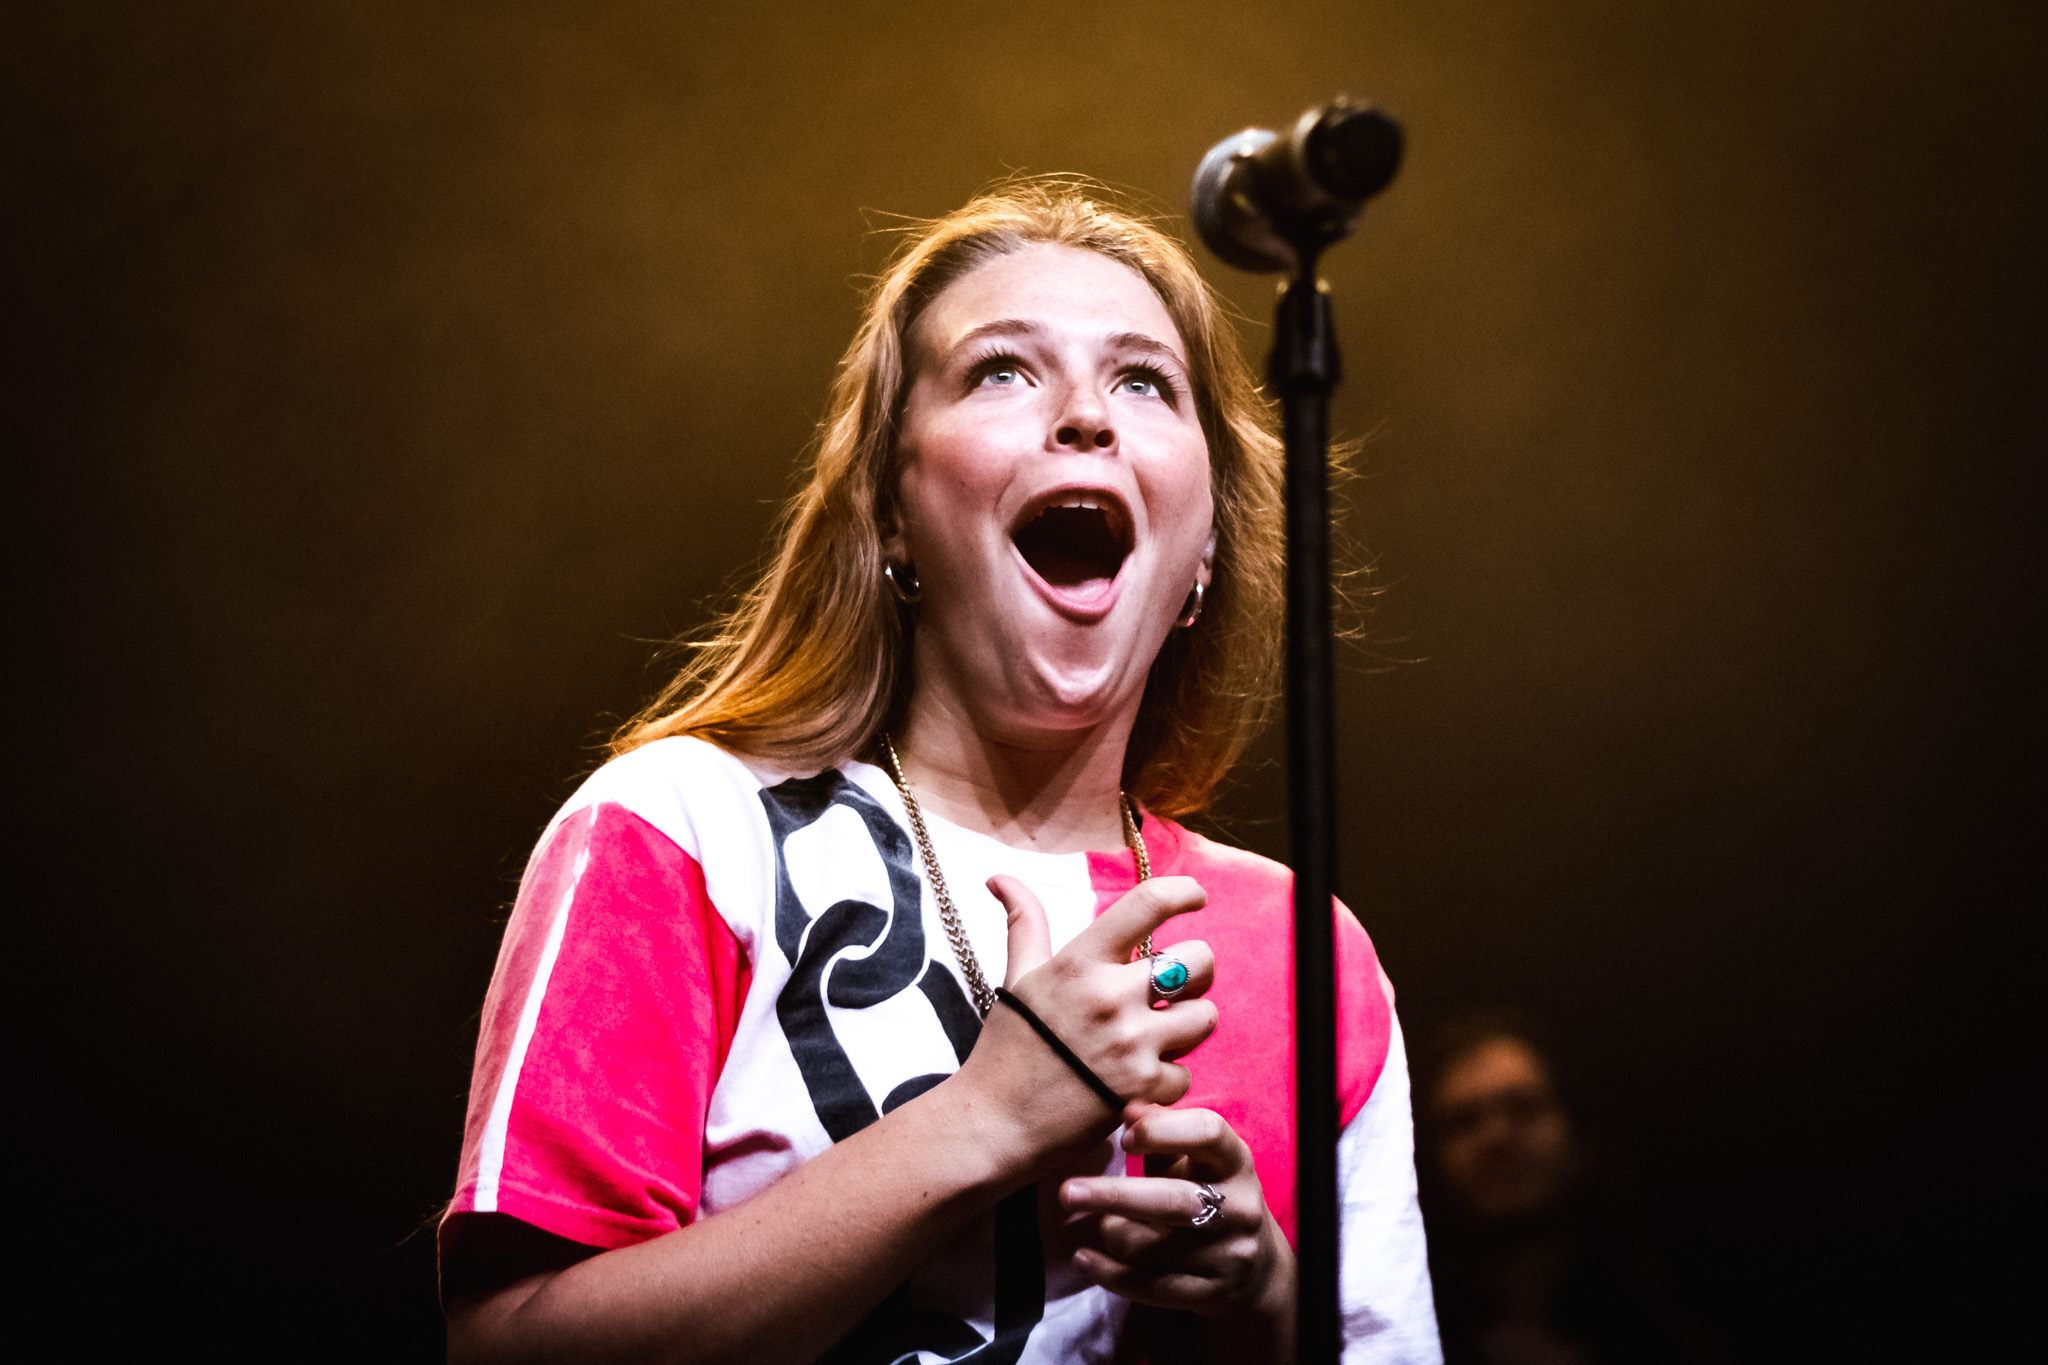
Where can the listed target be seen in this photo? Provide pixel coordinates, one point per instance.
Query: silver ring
(1169, 975)
(1212, 1204)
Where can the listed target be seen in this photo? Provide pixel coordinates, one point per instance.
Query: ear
(1208, 569)
(894, 548)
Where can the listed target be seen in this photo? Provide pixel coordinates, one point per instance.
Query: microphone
(1264, 201)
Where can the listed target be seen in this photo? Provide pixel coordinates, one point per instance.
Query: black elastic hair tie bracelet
(1066, 1054)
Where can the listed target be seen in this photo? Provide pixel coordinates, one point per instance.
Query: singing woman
(869, 1005)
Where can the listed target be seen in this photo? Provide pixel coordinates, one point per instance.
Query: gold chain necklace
(956, 934)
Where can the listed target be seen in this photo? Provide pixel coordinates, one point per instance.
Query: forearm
(785, 1274)
(779, 1277)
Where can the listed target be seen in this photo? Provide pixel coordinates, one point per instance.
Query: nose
(1084, 425)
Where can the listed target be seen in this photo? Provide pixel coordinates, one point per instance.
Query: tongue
(1071, 547)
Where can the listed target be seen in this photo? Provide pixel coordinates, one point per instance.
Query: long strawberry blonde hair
(811, 665)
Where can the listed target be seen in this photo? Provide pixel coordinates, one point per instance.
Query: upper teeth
(1076, 500)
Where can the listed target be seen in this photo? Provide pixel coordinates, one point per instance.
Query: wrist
(1018, 1105)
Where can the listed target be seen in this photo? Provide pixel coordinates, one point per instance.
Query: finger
(1217, 1251)
(1193, 954)
(1183, 1025)
(1119, 930)
(1134, 1110)
(1202, 1135)
(1030, 939)
(1162, 1289)
(1151, 1245)
(1170, 1082)
(1169, 1203)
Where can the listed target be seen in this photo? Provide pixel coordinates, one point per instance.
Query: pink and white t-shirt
(715, 971)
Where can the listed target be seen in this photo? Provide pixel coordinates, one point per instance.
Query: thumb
(1030, 939)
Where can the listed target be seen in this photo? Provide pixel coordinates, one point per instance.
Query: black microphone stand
(1303, 370)
(1265, 202)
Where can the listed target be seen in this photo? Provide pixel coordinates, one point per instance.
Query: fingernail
(1076, 1191)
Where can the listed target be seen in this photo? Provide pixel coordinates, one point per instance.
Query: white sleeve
(1383, 1261)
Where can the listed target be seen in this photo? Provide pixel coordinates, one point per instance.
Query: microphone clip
(1268, 202)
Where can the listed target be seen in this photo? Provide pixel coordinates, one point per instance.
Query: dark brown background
(384, 376)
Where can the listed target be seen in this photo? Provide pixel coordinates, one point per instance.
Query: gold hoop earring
(1191, 610)
(907, 596)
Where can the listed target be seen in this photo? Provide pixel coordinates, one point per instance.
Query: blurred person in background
(1537, 1258)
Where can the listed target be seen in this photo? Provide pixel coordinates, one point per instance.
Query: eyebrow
(1122, 341)
(1138, 341)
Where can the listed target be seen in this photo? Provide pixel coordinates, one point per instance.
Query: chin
(1063, 701)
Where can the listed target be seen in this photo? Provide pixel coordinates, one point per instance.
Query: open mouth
(1077, 540)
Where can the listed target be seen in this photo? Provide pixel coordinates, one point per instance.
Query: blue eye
(1147, 383)
(997, 371)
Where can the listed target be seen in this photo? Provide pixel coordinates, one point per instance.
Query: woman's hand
(1100, 1004)
(1139, 1236)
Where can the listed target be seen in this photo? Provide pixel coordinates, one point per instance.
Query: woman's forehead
(1056, 290)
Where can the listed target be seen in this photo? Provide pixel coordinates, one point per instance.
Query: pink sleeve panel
(1245, 1070)
(617, 992)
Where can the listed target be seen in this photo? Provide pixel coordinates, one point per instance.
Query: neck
(1057, 794)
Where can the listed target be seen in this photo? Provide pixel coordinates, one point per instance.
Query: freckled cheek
(1182, 506)
(949, 506)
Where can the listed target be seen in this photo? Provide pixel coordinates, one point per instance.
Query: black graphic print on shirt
(855, 955)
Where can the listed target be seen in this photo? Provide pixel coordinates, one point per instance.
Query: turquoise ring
(1169, 976)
